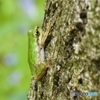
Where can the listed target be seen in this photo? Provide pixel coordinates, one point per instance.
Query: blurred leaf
(16, 18)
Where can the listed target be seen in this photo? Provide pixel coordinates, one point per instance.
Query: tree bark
(72, 49)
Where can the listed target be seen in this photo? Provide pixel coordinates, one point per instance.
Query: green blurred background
(16, 18)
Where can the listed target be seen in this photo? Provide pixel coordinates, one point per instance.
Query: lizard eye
(37, 33)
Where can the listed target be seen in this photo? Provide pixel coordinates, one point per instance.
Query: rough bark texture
(73, 52)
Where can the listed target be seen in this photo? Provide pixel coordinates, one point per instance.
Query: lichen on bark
(73, 50)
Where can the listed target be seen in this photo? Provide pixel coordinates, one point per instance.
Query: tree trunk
(72, 49)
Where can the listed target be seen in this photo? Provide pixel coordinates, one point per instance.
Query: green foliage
(15, 21)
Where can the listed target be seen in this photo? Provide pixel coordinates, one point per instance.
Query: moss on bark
(73, 50)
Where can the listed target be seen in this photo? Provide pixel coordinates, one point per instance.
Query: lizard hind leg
(41, 70)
